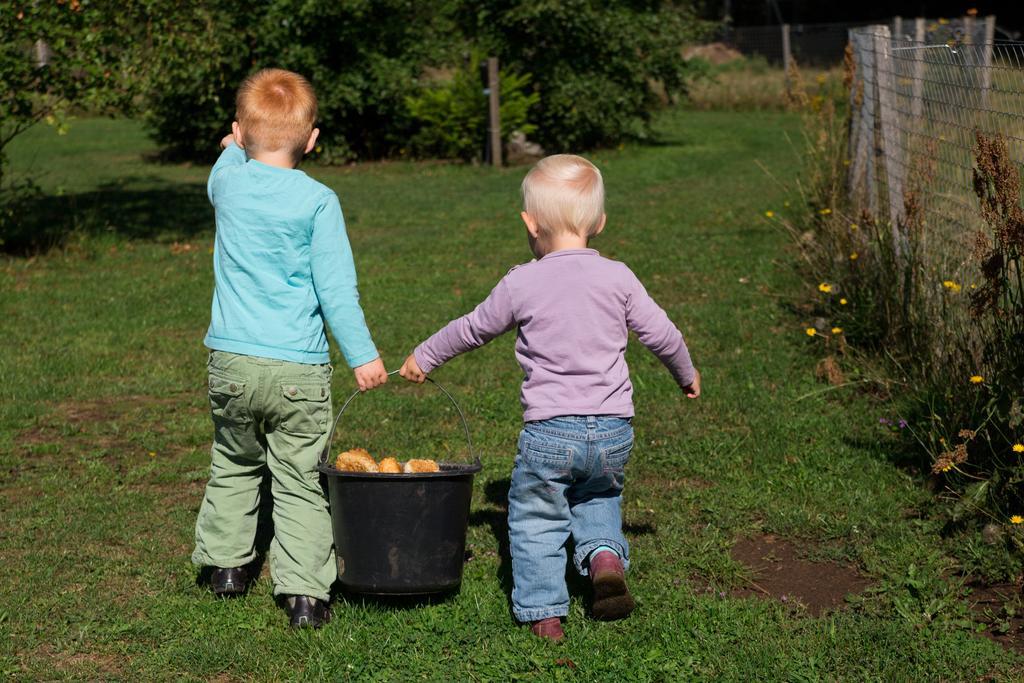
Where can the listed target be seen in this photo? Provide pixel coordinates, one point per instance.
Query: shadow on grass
(392, 602)
(264, 536)
(162, 210)
(496, 493)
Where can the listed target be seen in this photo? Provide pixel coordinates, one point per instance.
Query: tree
(593, 63)
(54, 55)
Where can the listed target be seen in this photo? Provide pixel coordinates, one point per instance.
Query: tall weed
(940, 310)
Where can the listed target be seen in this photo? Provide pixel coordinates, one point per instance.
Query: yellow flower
(977, 379)
(786, 204)
(825, 211)
(769, 214)
(1018, 448)
(951, 285)
(152, 454)
(825, 287)
(837, 330)
(853, 226)
(943, 21)
(842, 302)
(811, 331)
(1016, 519)
(853, 256)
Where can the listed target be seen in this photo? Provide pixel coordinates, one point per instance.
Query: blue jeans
(567, 479)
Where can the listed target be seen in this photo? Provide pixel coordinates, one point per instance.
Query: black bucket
(400, 534)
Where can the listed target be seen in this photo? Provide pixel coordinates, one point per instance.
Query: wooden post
(787, 55)
(41, 53)
(986, 58)
(969, 30)
(897, 28)
(891, 149)
(862, 138)
(856, 95)
(917, 84)
(494, 111)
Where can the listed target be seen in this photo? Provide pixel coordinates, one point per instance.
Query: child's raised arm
(493, 317)
(232, 156)
(655, 331)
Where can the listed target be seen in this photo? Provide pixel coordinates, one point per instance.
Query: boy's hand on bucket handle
(370, 375)
(692, 390)
(411, 370)
(227, 140)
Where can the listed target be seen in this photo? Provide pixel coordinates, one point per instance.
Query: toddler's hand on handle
(692, 390)
(411, 370)
(370, 375)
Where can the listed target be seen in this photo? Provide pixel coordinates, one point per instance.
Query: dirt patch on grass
(779, 572)
(107, 422)
(715, 53)
(999, 608)
(77, 665)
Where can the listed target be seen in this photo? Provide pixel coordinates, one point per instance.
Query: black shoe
(229, 582)
(305, 611)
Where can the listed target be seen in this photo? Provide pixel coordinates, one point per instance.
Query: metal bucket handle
(326, 454)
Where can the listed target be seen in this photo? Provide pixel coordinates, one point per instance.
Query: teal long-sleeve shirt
(282, 266)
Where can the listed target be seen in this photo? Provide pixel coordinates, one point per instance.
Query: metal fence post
(986, 58)
(917, 83)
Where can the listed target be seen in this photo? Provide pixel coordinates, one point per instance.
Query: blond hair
(564, 193)
(276, 110)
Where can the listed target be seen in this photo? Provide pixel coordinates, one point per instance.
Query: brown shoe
(550, 628)
(611, 596)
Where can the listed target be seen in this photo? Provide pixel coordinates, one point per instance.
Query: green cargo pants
(277, 414)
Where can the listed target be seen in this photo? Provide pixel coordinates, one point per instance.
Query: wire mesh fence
(916, 105)
(810, 44)
(824, 44)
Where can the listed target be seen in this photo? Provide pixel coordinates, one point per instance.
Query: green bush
(598, 70)
(452, 114)
(362, 57)
(601, 69)
(593, 66)
(189, 64)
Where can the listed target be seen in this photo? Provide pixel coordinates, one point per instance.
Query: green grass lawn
(104, 435)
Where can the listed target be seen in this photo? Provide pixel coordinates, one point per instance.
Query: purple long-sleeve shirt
(573, 311)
